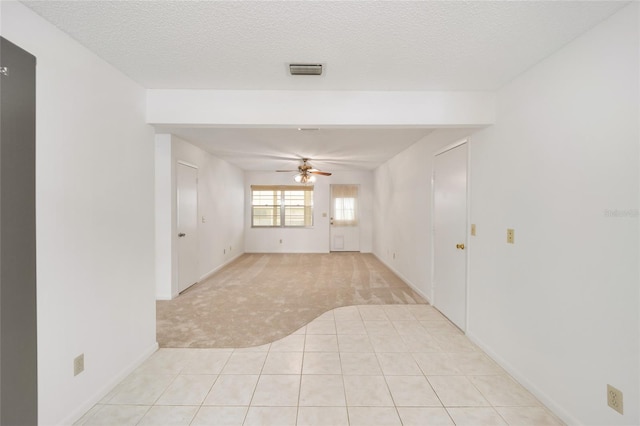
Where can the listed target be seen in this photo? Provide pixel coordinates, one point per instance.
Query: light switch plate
(473, 229)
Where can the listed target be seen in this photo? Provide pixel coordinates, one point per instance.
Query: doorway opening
(187, 224)
(345, 226)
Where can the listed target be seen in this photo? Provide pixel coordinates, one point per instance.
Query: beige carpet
(260, 298)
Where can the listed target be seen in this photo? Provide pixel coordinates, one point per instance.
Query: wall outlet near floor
(473, 229)
(78, 364)
(614, 399)
(510, 236)
(394, 255)
(224, 251)
(280, 240)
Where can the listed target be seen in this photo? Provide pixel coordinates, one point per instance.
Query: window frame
(281, 209)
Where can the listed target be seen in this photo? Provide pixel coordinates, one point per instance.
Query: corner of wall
(79, 411)
(404, 279)
(524, 381)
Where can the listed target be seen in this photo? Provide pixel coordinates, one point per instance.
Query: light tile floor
(364, 365)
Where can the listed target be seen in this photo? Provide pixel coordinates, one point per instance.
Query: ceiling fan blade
(320, 173)
(286, 171)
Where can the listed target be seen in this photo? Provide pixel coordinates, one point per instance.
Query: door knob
(182, 234)
(460, 246)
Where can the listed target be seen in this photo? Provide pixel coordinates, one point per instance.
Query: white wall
(319, 108)
(94, 196)
(315, 239)
(402, 209)
(220, 202)
(559, 308)
(166, 261)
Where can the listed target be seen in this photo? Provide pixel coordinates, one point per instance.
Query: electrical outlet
(614, 399)
(281, 241)
(394, 255)
(473, 229)
(510, 236)
(230, 248)
(224, 251)
(78, 364)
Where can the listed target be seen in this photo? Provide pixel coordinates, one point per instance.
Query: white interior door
(187, 213)
(450, 231)
(345, 226)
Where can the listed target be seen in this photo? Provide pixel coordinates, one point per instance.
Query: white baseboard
(217, 268)
(302, 252)
(163, 297)
(559, 411)
(202, 278)
(287, 252)
(526, 383)
(97, 397)
(404, 279)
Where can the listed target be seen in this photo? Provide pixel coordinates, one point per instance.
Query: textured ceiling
(365, 45)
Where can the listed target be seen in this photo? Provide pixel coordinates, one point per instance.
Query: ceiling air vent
(305, 69)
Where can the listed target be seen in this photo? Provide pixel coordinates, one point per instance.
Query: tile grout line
(145, 413)
(209, 391)
(471, 368)
(253, 394)
(304, 344)
(395, 404)
(344, 385)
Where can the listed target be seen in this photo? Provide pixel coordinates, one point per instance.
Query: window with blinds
(281, 206)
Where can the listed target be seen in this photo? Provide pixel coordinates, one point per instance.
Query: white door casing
(345, 228)
(187, 225)
(450, 232)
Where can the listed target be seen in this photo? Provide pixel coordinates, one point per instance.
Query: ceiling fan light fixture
(304, 178)
(306, 173)
(305, 69)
